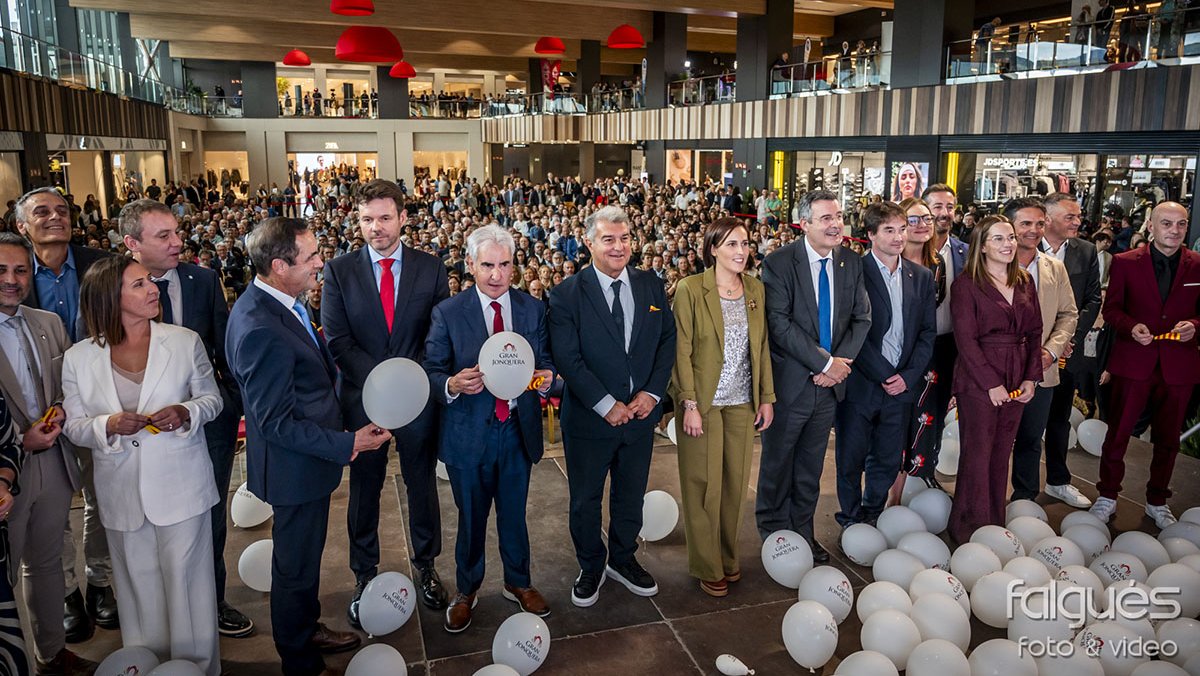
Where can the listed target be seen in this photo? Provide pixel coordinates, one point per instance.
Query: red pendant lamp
(625, 37)
(402, 70)
(352, 7)
(296, 58)
(370, 44)
(549, 45)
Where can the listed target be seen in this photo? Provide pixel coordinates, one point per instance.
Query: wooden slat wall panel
(35, 105)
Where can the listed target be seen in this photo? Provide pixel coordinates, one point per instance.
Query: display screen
(909, 179)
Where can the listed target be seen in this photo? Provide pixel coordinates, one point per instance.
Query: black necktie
(618, 313)
(164, 299)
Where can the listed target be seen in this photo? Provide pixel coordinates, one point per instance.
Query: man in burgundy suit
(1152, 300)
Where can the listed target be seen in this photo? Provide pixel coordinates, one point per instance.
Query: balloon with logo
(810, 634)
(1091, 541)
(1000, 540)
(1029, 530)
(246, 509)
(129, 660)
(786, 556)
(1091, 435)
(387, 603)
(522, 642)
(935, 581)
(377, 658)
(506, 362)
(1056, 552)
(831, 588)
(1117, 566)
(395, 393)
(177, 668)
(254, 565)
(928, 548)
(660, 513)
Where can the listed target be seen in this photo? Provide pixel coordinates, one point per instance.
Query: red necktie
(387, 292)
(497, 327)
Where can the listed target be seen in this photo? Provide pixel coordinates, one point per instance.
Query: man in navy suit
(489, 445)
(942, 202)
(613, 339)
(295, 443)
(191, 296)
(889, 370)
(376, 305)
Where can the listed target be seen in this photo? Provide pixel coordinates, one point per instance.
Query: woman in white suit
(138, 393)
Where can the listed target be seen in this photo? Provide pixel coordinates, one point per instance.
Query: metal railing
(836, 74)
(698, 91)
(613, 100)
(352, 108)
(542, 103)
(1162, 37)
(444, 107)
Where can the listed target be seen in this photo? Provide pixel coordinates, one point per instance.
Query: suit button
(135, 443)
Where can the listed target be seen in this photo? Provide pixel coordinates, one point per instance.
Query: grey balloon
(395, 393)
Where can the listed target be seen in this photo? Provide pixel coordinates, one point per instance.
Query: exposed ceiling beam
(803, 25)
(421, 62)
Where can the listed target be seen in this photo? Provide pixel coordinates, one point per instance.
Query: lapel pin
(753, 304)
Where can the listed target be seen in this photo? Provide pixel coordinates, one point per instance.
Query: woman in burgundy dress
(998, 328)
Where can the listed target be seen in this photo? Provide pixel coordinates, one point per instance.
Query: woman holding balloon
(723, 386)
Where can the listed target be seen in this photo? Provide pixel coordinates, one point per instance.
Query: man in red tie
(376, 305)
(489, 444)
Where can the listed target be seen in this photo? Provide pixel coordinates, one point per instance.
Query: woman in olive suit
(722, 385)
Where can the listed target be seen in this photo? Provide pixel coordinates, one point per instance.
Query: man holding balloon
(488, 358)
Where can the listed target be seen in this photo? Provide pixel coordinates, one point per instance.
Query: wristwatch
(689, 405)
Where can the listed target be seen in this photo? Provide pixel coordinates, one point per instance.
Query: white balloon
(1192, 666)
(1091, 540)
(1159, 669)
(1077, 418)
(831, 588)
(387, 603)
(1056, 552)
(132, 659)
(254, 565)
(897, 521)
(522, 642)
(879, 595)
(395, 392)
(862, 542)
(951, 416)
(950, 431)
(1031, 570)
(497, 670)
(1191, 515)
(673, 430)
(897, 567)
(1072, 439)
(1034, 620)
(892, 633)
(938, 616)
(934, 508)
(948, 457)
(810, 634)
(1081, 517)
(660, 514)
(866, 663)
(1186, 582)
(1068, 663)
(1183, 633)
(1000, 540)
(934, 581)
(177, 668)
(506, 361)
(1030, 530)
(1182, 529)
(732, 666)
(1091, 435)
(377, 659)
(1116, 566)
(1191, 561)
(1023, 508)
(972, 561)
(929, 549)
(441, 471)
(990, 600)
(786, 556)
(1001, 657)
(1083, 577)
(246, 510)
(1104, 640)
(1142, 545)
(912, 486)
(936, 657)
(1177, 548)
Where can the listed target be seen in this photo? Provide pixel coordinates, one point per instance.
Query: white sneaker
(1103, 508)
(1161, 514)
(1070, 495)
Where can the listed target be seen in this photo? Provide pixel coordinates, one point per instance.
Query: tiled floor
(680, 631)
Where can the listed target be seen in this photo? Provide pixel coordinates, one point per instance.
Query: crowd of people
(197, 305)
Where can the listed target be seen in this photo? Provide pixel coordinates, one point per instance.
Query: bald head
(1168, 227)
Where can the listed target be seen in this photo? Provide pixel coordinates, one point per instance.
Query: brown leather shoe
(327, 640)
(458, 613)
(529, 598)
(66, 663)
(718, 588)
(734, 576)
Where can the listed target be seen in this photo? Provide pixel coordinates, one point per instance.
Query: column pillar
(587, 161)
(589, 65)
(393, 95)
(920, 63)
(129, 78)
(66, 26)
(665, 56)
(750, 161)
(258, 89)
(439, 82)
(656, 161)
(533, 85)
(760, 40)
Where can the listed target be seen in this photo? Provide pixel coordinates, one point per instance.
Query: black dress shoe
(76, 622)
(232, 623)
(433, 594)
(819, 554)
(102, 607)
(352, 610)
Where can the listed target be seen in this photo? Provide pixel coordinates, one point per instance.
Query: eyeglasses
(916, 220)
(1000, 239)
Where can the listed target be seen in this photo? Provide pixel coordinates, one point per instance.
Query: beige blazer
(700, 341)
(1059, 315)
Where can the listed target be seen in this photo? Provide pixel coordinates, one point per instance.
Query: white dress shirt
(945, 320)
(377, 268)
(489, 315)
(893, 340)
(1032, 269)
(284, 299)
(814, 265)
(605, 405)
(10, 342)
(175, 293)
(1061, 254)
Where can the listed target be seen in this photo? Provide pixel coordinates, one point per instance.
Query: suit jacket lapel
(641, 307)
(187, 296)
(370, 292)
(908, 293)
(1185, 264)
(41, 343)
(408, 278)
(712, 299)
(156, 365)
(590, 286)
(804, 272)
(874, 277)
(12, 391)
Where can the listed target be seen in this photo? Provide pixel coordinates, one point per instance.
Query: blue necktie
(299, 308)
(824, 312)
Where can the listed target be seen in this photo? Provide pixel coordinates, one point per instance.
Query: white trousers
(166, 596)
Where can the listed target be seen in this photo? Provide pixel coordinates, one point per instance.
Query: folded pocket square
(1192, 284)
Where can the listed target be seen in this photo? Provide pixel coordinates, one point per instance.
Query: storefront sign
(1010, 162)
(1060, 166)
(1160, 163)
(1141, 177)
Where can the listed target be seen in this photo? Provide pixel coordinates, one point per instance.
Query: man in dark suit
(191, 296)
(818, 315)
(889, 372)
(295, 443)
(613, 339)
(489, 445)
(1153, 290)
(732, 202)
(1083, 267)
(43, 216)
(376, 305)
(942, 202)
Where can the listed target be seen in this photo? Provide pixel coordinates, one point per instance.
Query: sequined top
(733, 387)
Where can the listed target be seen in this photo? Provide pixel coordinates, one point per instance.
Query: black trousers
(625, 461)
(1058, 429)
(793, 456)
(298, 532)
(221, 436)
(418, 465)
(1027, 449)
(870, 442)
(945, 353)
